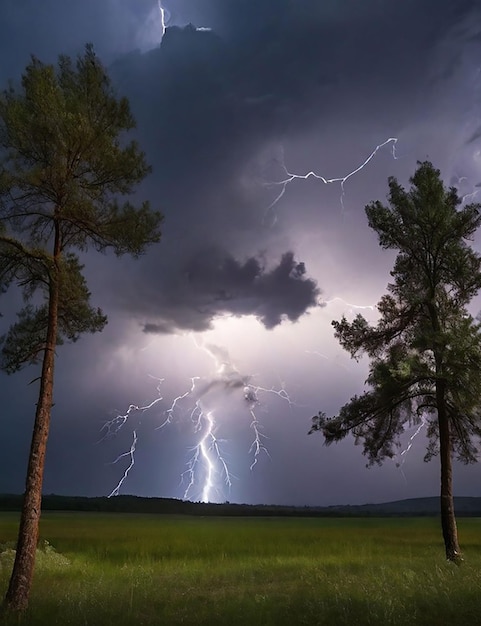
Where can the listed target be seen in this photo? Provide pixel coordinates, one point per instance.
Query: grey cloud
(51, 27)
(215, 283)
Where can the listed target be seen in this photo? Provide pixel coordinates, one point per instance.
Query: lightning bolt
(359, 307)
(208, 452)
(162, 17)
(170, 411)
(234, 378)
(342, 180)
(403, 455)
(131, 455)
(411, 440)
(257, 445)
(113, 426)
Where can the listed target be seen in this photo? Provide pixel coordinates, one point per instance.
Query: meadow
(122, 569)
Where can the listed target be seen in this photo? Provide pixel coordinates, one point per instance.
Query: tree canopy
(65, 164)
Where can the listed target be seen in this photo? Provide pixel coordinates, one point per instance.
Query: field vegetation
(99, 568)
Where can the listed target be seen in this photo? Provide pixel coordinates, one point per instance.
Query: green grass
(138, 569)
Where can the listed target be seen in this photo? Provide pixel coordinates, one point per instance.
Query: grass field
(118, 569)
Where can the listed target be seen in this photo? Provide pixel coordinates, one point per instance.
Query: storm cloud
(215, 283)
(220, 110)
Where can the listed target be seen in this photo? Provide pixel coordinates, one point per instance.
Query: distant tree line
(417, 507)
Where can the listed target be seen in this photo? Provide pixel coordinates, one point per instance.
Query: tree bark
(448, 519)
(21, 579)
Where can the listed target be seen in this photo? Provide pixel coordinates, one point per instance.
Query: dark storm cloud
(208, 102)
(52, 27)
(216, 283)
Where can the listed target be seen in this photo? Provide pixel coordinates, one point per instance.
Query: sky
(221, 334)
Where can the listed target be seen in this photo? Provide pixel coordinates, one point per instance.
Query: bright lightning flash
(207, 451)
(342, 180)
(207, 462)
(162, 16)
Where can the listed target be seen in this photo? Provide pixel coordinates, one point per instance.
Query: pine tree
(425, 350)
(64, 166)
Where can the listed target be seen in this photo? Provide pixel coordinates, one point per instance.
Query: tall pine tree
(65, 164)
(425, 350)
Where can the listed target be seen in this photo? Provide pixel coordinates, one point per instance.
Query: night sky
(236, 301)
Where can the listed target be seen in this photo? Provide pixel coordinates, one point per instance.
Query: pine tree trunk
(448, 519)
(18, 592)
